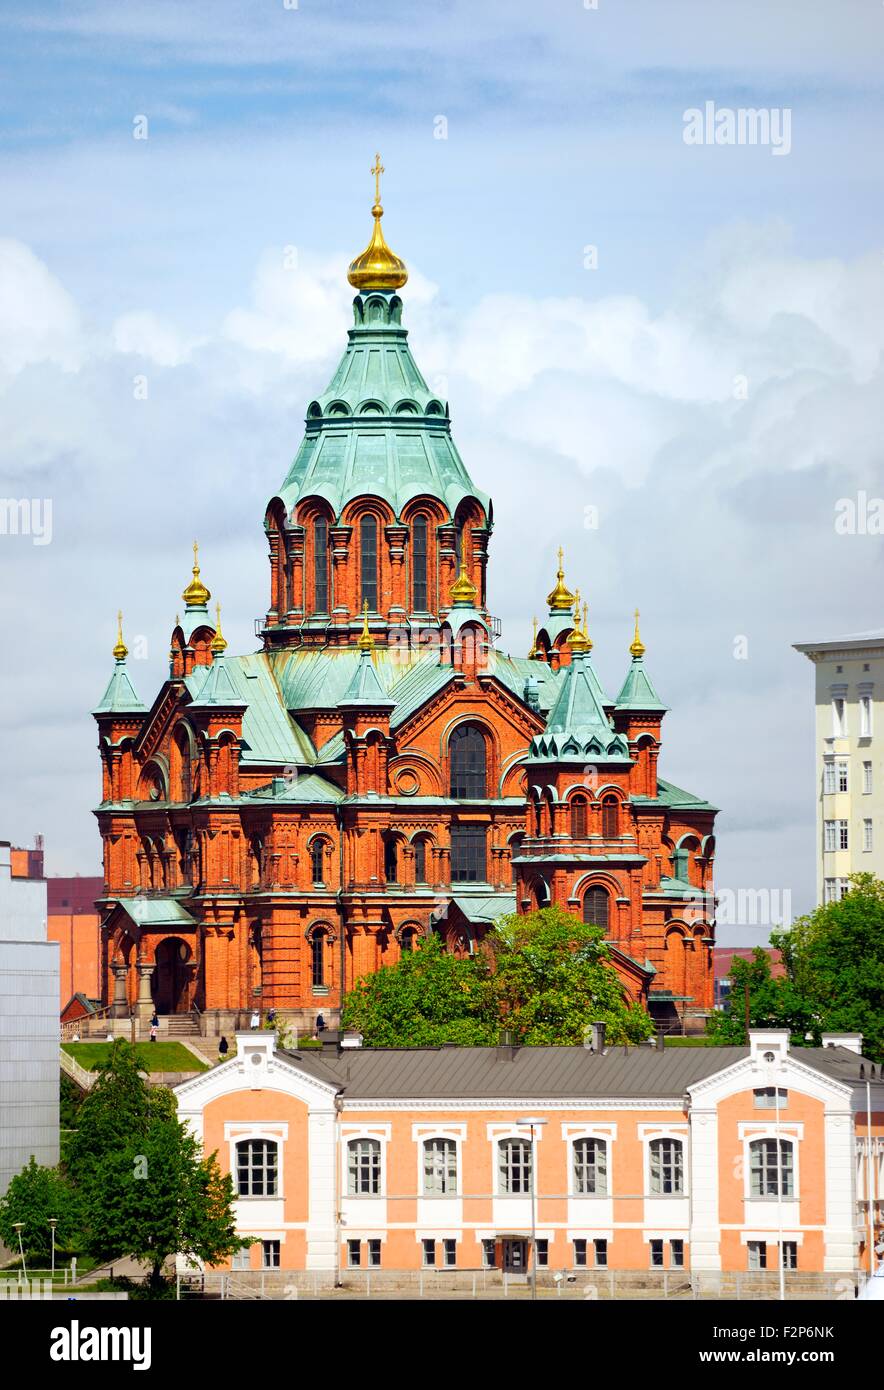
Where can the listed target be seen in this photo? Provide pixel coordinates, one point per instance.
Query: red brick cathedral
(278, 823)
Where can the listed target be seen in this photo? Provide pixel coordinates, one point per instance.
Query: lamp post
(533, 1124)
(18, 1227)
(53, 1222)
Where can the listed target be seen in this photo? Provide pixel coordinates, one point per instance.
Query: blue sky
(568, 387)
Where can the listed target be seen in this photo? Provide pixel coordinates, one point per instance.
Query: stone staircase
(173, 1026)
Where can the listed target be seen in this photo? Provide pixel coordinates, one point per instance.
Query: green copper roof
(270, 735)
(671, 796)
(637, 692)
(218, 687)
(120, 696)
(365, 688)
(578, 726)
(304, 787)
(378, 429)
(156, 912)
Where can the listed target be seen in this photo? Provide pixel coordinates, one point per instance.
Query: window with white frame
(513, 1167)
(867, 833)
(766, 1171)
(270, 1251)
(488, 1252)
(842, 834)
(829, 835)
(364, 1167)
(766, 1098)
(676, 1254)
(843, 774)
(579, 1252)
(374, 1252)
(600, 1253)
(428, 1248)
(656, 1254)
(836, 889)
(865, 716)
(440, 1167)
(666, 1157)
(241, 1259)
(789, 1255)
(449, 1252)
(541, 1252)
(757, 1253)
(836, 835)
(867, 778)
(839, 717)
(829, 776)
(590, 1167)
(354, 1253)
(257, 1168)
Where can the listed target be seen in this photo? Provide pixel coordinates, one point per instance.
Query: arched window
(764, 1171)
(317, 861)
(318, 942)
(391, 859)
(578, 818)
(419, 596)
(667, 1167)
(515, 851)
(538, 818)
(368, 563)
(466, 750)
(320, 565)
(420, 861)
(513, 1167)
(364, 1167)
(595, 907)
(591, 1167)
(257, 1168)
(440, 1167)
(610, 828)
(407, 938)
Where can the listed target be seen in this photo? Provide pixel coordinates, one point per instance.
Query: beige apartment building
(850, 774)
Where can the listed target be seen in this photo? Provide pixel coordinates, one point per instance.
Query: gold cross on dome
(377, 170)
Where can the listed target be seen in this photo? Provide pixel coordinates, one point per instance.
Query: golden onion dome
(637, 647)
(579, 640)
(560, 599)
(121, 651)
(366, 641)
(218, 644)
(196, 595)
(463, 590)
(377, 268)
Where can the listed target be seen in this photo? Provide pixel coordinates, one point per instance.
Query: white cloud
(39, 321)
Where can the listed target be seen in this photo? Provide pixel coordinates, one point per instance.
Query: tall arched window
(420, 861)
(515, 851)
(317, 956)
(578, 818)
(595, 907)
(466, 751)
(407, 938)
(364, 1167)
(419, 564)
(591, 1167)
(257, 1167)
(391, 859)
(320, 565)
(368, 562)
(666, 1159)
(317, 861)
(610, 828)
(769, 1177)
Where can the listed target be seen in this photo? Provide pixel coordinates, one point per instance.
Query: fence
(71, 1067)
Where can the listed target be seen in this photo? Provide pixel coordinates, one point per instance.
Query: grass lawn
(158, 1056)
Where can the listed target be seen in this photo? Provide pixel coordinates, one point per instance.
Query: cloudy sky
(707, 379)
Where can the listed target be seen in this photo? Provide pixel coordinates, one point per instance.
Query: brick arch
(492, 747)
(427, 770)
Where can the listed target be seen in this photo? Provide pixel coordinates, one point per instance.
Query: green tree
(544, 976)
(147, 1190)
(34, 1196)
(774, 1002)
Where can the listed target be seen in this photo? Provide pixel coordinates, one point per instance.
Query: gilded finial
(121, 651)
(577, 640)
(377, 268)
(535, 651)
(560, 598)
(218, 643)
(196, 595)
(463, 590)
(586, 635)
(637, 647)
(366, 641)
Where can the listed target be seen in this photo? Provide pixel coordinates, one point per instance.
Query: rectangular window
(828, 777)
(765, 1172)
(541, 1253)
(270, 1249)
(429, 1249)
(842, 834)
(514, 1167)
(757, 1254)
(449, 1252)
(865, 716)
(790, 1254)
(765, 1098)
(488, 1254)
(867, 833)
(419, 564)
(256, 1168)
(830, 836)
(440, 1167)
(667, 1167)
(600, 1253)
(676, 1254)
(241, 1260)
(374, 1253)
(656, 1254)
(368, 563)
(364, 1168)
(842, 776)
(839, 717)
(867, 778)
(320, 565)
(354, 1253)
(579, 1252)
(468, 854)
(830, 894)
(590, 1167)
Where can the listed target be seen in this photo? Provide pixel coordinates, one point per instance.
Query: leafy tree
(544, 976)
(33, 1196)
(774, 1002)
(147, 1190)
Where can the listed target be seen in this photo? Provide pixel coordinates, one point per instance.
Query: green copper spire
(578, 727)
(120, 696)
(637, 692)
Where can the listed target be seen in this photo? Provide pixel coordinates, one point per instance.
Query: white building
(847, 757)
(29, 1025)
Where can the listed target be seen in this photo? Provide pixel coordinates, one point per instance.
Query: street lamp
(533, 1124)
(53, 1222)
(19, 1226)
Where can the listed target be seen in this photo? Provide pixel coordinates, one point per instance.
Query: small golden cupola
(219, 642)
(366, 641)
(121, 651)
(463, 590)
(560, 599)
(196, 595)
(578, 640)
(637, 647)
(377, 268)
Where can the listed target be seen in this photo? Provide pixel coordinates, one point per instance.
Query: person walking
(223, 1049)
(153, 1032)
(255, 1021)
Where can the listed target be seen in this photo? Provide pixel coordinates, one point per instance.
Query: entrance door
(171, 977)
(515, 1257)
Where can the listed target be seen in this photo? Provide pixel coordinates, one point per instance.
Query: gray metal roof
(538, 1073)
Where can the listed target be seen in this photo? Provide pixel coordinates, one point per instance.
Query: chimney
(506, 1048)
(594, 1038)
(661, 1040)
(852, 1041)
(351, 1040)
